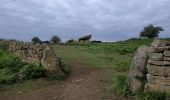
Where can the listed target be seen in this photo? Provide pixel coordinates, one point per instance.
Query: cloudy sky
(107, 20)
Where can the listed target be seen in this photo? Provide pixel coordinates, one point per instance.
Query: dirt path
(82, 84)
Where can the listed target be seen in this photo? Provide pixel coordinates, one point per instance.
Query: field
(94, 68)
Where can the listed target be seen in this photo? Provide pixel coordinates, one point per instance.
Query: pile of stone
(158, 76)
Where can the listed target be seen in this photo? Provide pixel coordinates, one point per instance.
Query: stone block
(157, 87)
(156, 56)
(151, 79)
(167, 53)
(156, 70)
(159, 63)
(158, 43)
(167, 58)
(158, 49)
(167, 71)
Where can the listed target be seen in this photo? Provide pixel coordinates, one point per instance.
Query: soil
(82, 84)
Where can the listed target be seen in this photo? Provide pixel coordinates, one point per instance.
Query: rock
(156, 56)
(156, 70)
(167, 53)
(161, 63)
(167, 71)
(158, 43)
(138, 69)
(134, 84)
(166, 58)
(158, 49)
(51, 63)
(157, 87)
(151, 79)
(141, 53)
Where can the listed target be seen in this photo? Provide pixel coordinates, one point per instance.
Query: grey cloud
(107, 20)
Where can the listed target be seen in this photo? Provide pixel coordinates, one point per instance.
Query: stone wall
(150, 68)
(35, 53)
(158, 76)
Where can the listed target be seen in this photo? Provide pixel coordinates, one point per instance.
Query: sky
(106, 20)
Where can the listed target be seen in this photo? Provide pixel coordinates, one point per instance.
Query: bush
(7, 76)
(95, 41)
(36, 40)
(3, 46)
(55, 39)
(70, 41)
(31, 71)
(120, 85)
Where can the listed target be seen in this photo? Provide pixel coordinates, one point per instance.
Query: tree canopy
(36, 40)
(55, 39)
(151, 31)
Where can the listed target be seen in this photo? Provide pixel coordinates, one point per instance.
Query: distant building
(85, 38)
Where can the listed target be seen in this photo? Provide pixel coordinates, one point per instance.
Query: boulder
(138, 69)
(51, 62)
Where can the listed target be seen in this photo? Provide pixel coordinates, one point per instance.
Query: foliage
(70, 41)
(4, 46)
(55, 39)
(31, 71)
(120, 85)
(12, 69)
(151, 31)
(36, 40)
(96, 41)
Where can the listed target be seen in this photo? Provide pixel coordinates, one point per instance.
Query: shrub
(96, 41)
(7, 76)
(120, 85)
(31, 71)
(36, 40)
(70, 41)
(55, 39)
(4, 46)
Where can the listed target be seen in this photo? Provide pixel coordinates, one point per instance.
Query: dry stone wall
(150, 68)
(158, 76)
(36, 53)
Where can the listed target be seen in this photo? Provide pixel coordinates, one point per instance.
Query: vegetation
(12, 69)
(151, 31)
(121, 86)
(36, 40)
(55, 39)
(115, 58)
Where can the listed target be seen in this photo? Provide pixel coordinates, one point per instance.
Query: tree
(151, 31)
(55, 39)
(36, 40)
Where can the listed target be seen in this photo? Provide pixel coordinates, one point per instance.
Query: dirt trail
(82, 84)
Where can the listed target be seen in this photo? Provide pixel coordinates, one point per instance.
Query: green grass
(114, 58)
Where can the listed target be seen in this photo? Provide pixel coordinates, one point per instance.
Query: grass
(114, 58)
